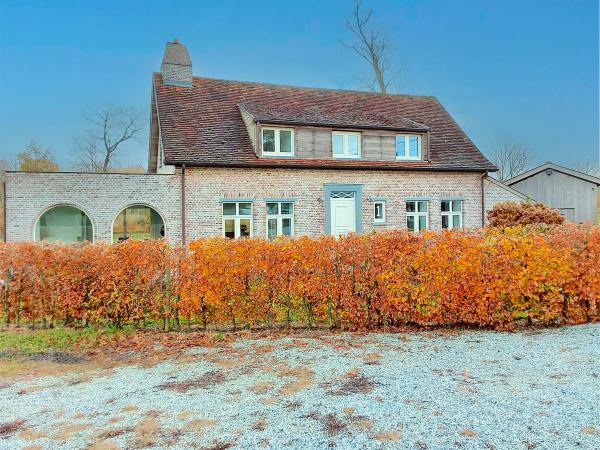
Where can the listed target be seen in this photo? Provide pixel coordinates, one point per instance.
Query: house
(235, 159)
(573, 193)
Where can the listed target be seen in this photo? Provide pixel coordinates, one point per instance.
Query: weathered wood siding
(574, 196)
(376, 145)
(251, 128)
(313, 143)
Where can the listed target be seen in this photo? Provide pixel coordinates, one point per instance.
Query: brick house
(238, 159)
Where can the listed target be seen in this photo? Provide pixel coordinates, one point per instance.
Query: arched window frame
(72, 205)
(156, 210)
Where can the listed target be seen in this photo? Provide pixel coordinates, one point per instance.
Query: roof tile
(202, 125)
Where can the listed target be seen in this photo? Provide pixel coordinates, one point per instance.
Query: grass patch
(25, 341)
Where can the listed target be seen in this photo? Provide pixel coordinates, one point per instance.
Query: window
(345, 144)
(278, 141)
(280, 219)
(408, 146)
(417, 216)
(237, 219)
(379, 212)
(451, 214)
(139, 223)
(64, 224)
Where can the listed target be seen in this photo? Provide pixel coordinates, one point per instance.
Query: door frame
(333, 187)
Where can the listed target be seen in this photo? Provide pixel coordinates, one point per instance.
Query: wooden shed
(574, 194)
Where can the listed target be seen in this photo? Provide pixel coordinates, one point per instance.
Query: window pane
(456, 205)
(156, 225)
(410, 206)
(245, 209)
(272, 209)
(353, 140)
(423, 206)
(286, 226)
(400, 145)
(268, 140)
(285, 141)
(229, 209)
(445, 205)
(338, 144)
(410, 223)
(271, 228)
(379, 211)
(444, 221)
(413, 146)
(244, 227)
(455, 221)
(422, 222)
(287, 208)
(138, 222)
(230, 228)
(64, 224)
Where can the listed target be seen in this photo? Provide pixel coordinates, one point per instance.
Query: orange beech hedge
(510, 214)
(486, 277)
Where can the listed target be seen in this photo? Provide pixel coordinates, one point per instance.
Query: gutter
(4, 224)
(183, 230)
(483, 177)
(333, 167)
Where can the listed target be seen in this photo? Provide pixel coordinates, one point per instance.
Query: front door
(343, 213)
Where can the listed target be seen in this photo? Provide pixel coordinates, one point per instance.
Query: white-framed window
(379, 211)
(280, 219)
(345, 144)
(237, 219)
(278, 141)
(417, 215)
(451, 214)
(408, 146)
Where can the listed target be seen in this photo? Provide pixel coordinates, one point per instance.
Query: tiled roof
(304, 114)
(202, 125)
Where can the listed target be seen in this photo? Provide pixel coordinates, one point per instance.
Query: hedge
(486, 278)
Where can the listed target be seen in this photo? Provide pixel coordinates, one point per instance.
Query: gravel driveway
(427, 390)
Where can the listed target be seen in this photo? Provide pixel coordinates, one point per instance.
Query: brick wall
(206, 186)
(103, 196)
(100, 196)
(497, 192)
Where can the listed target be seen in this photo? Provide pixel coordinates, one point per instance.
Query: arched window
(64, 223)
(138, 222)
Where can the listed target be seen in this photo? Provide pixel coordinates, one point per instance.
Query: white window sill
(404, 158)
(277, 155)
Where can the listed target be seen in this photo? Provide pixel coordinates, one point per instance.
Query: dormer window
(408, 146)
(278, 141)
(345, 144)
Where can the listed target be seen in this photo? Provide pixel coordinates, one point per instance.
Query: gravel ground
(428, 390)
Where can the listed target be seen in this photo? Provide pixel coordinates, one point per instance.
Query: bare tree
(511, 157)
(588, 166)
(111, 127)
(371, 44)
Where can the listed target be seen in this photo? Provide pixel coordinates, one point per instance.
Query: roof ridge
(288, 86)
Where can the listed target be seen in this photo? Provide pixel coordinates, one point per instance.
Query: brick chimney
(176, 67)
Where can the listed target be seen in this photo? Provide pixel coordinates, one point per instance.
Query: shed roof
(552, 166)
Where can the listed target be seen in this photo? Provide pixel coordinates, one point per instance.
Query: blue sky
(524, 70)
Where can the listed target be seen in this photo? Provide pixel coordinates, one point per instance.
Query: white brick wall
(103, 196)
(497, 192)
(205, 187)
(100, 196)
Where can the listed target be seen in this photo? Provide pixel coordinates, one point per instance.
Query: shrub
(510, 214)
(487, 277)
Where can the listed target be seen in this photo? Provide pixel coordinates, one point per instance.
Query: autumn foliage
(510, 214)
(487, 277)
